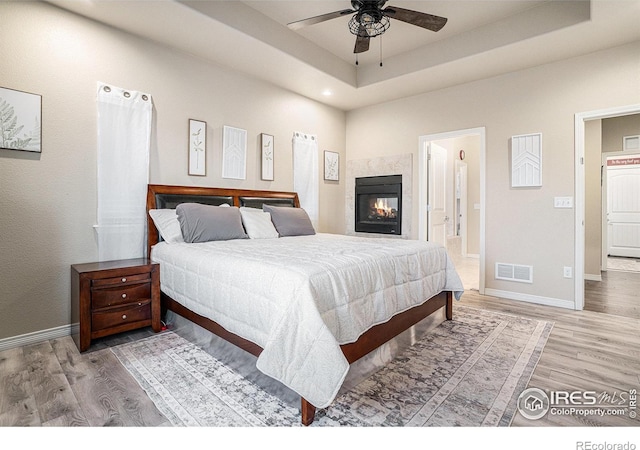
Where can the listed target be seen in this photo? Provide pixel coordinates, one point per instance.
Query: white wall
(522, 225)
(48, 201)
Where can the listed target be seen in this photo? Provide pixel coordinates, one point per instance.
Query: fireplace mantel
(383, 166)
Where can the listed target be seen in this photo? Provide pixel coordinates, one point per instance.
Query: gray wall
(614, 129)
(522, 225)
(593, 199)
(48, 201)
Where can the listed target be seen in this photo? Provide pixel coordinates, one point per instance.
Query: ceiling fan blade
(317, 19)
(424, 20)
(362, 43)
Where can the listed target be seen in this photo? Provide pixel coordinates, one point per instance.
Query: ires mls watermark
(534, 403)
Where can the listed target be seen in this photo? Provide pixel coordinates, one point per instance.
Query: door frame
(579, 139)
(423, 183)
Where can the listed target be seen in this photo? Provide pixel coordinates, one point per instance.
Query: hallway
(467, 267)
(617, 294)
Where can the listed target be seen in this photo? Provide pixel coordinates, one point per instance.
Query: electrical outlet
(568, 272)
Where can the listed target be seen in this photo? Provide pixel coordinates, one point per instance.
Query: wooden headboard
(161, 196)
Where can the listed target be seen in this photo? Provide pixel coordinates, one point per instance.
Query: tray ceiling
(481, 39)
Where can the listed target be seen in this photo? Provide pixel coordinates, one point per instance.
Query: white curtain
(124, 135)
(305, 173)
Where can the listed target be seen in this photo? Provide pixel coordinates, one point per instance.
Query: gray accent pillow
(290, 221)
(204, 223)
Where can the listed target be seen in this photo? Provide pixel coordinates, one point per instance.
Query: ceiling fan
(370, 20)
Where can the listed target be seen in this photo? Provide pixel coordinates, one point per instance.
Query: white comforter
(300, 297)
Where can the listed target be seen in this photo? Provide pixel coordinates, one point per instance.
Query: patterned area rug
(466, 372)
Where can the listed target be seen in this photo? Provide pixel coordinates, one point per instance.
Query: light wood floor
(586, 351)
(51, 384)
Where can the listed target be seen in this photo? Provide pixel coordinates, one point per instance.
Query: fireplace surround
(378, 204)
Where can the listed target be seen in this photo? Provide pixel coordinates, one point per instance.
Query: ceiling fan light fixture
(371, 20)
(365, 22)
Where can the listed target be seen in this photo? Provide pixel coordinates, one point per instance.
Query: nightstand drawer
(113, 317)
(118, 295)
(142, 277)
(109, 297)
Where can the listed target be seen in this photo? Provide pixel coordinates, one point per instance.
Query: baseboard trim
(591, 277)
(38, 336)
(547, 301)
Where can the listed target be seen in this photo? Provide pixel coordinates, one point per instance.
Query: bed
(307, 305)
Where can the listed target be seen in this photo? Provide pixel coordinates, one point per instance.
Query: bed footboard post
(449, 307)
(308, 412)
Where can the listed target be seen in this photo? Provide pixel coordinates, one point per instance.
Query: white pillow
(166, 221)
(257, 223)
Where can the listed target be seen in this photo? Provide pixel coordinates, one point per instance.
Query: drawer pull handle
(124, 280)
(124, 316)
(124, 295)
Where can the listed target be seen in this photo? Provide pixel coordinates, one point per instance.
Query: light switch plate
(563, 202)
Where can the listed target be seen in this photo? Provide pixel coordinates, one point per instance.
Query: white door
(623, 207)
(438, 214)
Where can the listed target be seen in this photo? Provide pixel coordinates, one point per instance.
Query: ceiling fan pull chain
(356, 59)
(380, 50)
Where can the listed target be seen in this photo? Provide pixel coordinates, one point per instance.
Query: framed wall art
(234, 153)
(631, 143)
(526, 160)
(266, 144)
(197, 147)
(20, 120)
(331, 166)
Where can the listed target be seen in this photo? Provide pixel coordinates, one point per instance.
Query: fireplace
(379, 204)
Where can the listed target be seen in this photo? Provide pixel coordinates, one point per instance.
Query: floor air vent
(514, 272)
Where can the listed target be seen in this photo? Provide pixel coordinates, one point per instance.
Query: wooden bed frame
(166, 196)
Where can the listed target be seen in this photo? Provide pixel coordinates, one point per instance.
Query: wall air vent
(514, 272)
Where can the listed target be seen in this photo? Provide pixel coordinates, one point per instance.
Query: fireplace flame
(383, 209)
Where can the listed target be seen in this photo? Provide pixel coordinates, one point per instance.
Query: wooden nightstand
(114, 296)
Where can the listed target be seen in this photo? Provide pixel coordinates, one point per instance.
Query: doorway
(451, 199)
(621, 211)
(460, 224)
(439, 209)
(580, 193)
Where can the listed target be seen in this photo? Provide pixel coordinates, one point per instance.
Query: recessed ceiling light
(327, 92)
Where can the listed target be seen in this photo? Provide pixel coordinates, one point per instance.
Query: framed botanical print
(266, 144)
(20, 120)
(331, 166)
(197, 147)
